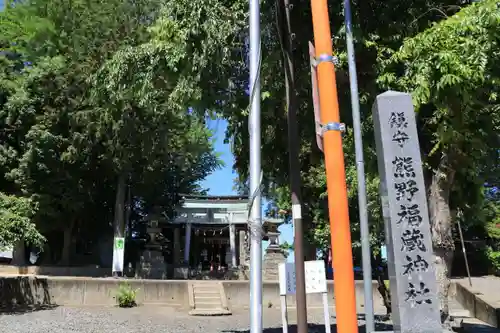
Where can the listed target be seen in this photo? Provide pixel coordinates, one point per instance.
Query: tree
(75, 141)
(452, 72)
(381, 28)
(15, 221)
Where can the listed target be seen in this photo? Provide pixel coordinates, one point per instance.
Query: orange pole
(345, 297)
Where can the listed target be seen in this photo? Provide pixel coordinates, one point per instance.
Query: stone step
(207, 290)
(481, 299)
(207, 299)
(210, 312)
(460, 313)
(208, 305)
(198, 300)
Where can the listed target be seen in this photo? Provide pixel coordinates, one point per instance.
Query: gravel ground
(146, 320)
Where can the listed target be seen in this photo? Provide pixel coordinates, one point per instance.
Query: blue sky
(221, 181)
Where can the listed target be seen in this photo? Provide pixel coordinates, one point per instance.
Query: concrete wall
(237, 293)
(33, 290)
(82, 271)
(478, 306)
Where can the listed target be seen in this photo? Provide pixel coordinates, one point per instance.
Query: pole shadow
(315, 328)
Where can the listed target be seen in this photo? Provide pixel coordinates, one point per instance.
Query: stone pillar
(414, 300)
(187, 243)
(177, 245)
(243, 250)
(232, 243)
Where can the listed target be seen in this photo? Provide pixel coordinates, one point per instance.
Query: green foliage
(78, 112)
(452, 72)
(126, 297)
(379, 30)
(492, 217)
(15, 221)
(286, 246)
(494, 258)
(410, 46)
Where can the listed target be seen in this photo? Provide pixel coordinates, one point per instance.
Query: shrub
(126, 297)
(494, 258)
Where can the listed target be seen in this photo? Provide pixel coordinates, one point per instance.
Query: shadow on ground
(21, 294)
(318, 328)
(21, 309)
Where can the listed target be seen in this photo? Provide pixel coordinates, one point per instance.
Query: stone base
(181, 273)
(152, 265)
(272, 260)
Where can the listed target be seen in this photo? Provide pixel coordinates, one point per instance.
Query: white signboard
(315, 277)
(118, 254)
(286, 273)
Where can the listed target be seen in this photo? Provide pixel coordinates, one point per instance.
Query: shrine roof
(226, 198)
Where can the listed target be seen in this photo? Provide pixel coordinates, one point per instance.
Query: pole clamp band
(333, 127)
(325, 58)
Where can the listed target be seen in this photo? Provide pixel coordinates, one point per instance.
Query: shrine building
(208, 236)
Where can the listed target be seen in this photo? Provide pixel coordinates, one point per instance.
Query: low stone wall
(36, 290)
(478, 306)
(86, 271)
(237, 293)
(32, 290)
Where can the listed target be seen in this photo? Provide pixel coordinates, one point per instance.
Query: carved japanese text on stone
(412, 278)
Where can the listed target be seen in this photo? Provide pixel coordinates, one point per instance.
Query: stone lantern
(274, 254)
(272, 234)
(152, 261)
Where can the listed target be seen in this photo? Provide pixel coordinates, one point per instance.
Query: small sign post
(118, 254)
(315, 284)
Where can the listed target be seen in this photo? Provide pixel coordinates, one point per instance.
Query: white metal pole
(360, 165)
(255, 173)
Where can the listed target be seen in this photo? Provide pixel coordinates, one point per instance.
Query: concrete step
(209, 312)
(481, 299)
(208, 299)
(205, 290)
(460, 313)
(198, 302)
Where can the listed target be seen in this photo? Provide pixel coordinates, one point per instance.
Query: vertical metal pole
(255, 171)
(326, 313)
(463, 250)
(284, 313)
(338, 207)
(294, 162)
(360, 166)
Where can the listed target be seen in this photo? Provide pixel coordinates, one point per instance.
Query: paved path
(147, 320)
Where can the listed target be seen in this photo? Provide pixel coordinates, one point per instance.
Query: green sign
(119, 243)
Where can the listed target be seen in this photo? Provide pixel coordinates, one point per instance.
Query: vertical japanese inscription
(411, 272)
(406, 187)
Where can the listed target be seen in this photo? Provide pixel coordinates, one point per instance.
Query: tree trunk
(19, 254)
(128, 208)
(441, 228)
(382, 287)
(67, 243)
(119, 219)
(384, 292)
